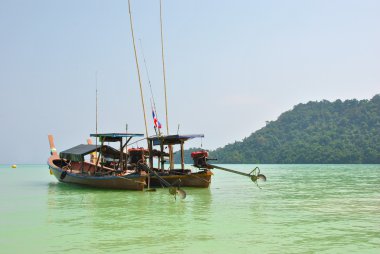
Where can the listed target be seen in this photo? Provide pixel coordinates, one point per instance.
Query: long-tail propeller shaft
(254, 175)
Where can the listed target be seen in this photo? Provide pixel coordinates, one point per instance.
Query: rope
(138, 68)
(147, 74)
(135, 142)
(152, 101)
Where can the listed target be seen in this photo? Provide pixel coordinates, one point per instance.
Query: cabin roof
(78, 152)
(117, 135)
(173, 139)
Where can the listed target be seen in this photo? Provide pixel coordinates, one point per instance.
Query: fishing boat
(108, 167)
(175, 175)
(197, 176)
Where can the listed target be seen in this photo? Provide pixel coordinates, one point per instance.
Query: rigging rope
(152, 101)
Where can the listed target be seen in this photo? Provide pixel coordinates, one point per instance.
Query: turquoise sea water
(300, 209)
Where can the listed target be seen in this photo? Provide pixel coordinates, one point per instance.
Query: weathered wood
(182, 157)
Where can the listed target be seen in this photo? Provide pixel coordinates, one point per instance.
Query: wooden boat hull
(128, 182)
(198, 180)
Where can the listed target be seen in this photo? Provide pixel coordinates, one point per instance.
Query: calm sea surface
(300, 209)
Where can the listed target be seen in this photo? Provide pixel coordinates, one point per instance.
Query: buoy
(14, 166)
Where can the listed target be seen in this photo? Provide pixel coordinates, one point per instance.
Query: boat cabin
(105, 158)
(118, 158)
(169, 140)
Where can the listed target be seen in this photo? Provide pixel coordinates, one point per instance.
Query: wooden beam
(182, 157)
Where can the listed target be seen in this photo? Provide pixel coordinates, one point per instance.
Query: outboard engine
(200, 159)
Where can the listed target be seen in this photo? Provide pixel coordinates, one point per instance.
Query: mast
(95, 158)
(96, 102)
(139, 76)
(138, 69)
(166, 98)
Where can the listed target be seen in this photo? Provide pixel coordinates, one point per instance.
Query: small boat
(108, 170)
(177, 176)
(199, 176)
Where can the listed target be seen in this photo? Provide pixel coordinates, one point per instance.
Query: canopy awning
(173, 139)
(78, 152)
(113, 137)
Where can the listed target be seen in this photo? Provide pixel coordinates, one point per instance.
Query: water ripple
(300, 209)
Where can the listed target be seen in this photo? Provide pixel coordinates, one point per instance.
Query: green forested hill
(315, 132)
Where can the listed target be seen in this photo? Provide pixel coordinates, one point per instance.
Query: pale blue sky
(231, 66)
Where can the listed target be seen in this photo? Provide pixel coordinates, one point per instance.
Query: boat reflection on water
(70, 196)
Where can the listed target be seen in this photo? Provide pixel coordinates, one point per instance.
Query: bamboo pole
(166, 97)
(138, 69)
(139, 76)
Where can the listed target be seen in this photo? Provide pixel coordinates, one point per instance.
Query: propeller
(177, 190)
(181, 193)
(255, 176)
(262, 177)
